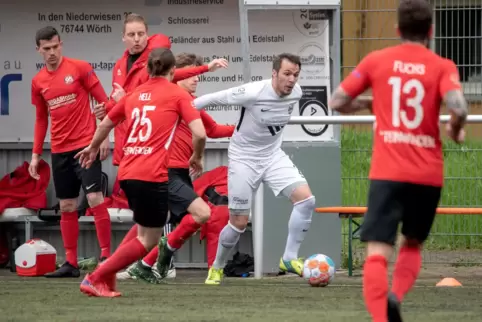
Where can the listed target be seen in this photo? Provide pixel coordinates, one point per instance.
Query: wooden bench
(354, 227)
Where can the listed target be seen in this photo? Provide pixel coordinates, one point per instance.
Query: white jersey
(263, 116)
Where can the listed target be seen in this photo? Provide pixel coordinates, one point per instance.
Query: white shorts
(245, 176)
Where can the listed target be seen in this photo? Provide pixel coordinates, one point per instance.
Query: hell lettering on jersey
(144, 97)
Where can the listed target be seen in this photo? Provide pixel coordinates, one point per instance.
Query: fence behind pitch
(369, 25)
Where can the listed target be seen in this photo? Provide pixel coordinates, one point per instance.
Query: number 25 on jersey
(144, 122)
(414, 101)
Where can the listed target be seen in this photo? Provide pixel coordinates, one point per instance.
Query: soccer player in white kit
(255, 156)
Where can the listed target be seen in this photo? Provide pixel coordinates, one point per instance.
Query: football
(319, 270)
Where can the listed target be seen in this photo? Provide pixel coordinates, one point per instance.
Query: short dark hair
(285, 56)
(188, 59)
(46, 33)
(134, 17)
(160, 62)
(414, 19)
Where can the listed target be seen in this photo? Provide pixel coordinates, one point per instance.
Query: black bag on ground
(240, 266)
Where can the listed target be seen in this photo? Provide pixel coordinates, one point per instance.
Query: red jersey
(408, 84)
(182, 148)
(138, 75)
(19, 189)
(216, 178)
(152, 113)
(64, 94)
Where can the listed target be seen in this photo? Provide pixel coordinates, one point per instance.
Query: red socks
(150, 259)
(131, 234)
(375, 287)
(69, 228)
(122, 257)
(186, 229)
(102, 226)
(406, 270)
(176, 239)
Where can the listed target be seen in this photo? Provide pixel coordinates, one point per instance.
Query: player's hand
(457, 137)
(217, 63)
(87, 156)
(118, 92)
(104, 149)
(99, 111)
(195, 166)
(33, 166)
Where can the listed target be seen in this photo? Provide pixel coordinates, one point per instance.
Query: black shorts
(391, 203)
(69, 176)
(181, 193)
(148, 202)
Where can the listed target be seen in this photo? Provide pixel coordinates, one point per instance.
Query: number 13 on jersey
(415, 88)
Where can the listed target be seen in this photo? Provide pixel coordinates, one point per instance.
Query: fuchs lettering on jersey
(144, 97)
(394, 137)
(137, 150)
(408, 68)
(61, 101)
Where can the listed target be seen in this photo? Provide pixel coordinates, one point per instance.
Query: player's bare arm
(199, 143)
(344, 103)
(458, 109)
(40, 131)
(87, 156)
(217, 63)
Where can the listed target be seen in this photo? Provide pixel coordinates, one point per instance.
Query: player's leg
(92, 185)
(67, 188)
(379, 231)
(284, 178)
(242, 181)
(131, 234)
(182, 200)
(212, 229)
(141, 269)
(148, 201)
(420, 203)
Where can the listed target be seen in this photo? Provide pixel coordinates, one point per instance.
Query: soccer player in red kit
(153, 112)
(212, 186)
(183, 199)
(409, 83)
(61, 89)
(130, 72)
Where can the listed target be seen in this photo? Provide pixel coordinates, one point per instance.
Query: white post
(257, 224)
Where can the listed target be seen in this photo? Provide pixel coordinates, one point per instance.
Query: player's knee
(95, 198)
(68, 205)
(379, 248)
(306, 207)
(239, 219)
(201, 212)
(149, 237)
(299, 191)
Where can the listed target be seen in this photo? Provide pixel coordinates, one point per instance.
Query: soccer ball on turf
(319, 270)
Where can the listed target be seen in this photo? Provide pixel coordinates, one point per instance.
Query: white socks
(228, 238)
(298, 226)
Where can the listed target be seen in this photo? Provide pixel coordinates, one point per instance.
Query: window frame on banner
(333, 7)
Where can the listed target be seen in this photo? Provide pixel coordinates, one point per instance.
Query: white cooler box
(35, 258)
